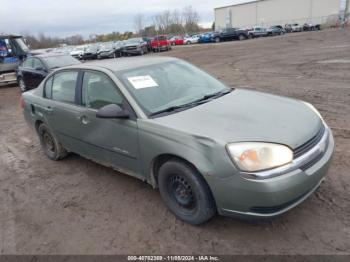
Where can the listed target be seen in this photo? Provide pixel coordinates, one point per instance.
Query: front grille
(299, 151)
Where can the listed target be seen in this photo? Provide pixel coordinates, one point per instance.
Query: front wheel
(241, 37)
(52, 148)
(185, 192)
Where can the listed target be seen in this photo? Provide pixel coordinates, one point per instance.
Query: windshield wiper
(173, 109)
(214, 95)
(200, 101)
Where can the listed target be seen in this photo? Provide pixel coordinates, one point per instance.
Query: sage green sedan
(207, 147)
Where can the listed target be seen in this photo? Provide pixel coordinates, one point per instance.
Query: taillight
(22, 102)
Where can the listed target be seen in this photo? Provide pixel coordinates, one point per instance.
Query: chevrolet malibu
(207, 147)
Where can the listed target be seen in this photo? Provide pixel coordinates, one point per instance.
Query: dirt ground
(78, 207)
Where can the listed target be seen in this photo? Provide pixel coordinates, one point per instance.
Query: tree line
(168, 22)
(175, 21)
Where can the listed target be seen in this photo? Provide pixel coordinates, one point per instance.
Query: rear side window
(63, 87)
(48, 88)
(99, 90)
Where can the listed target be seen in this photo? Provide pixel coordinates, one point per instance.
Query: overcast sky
(68, 17)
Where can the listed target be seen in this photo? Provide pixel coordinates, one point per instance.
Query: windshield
(60, 61)
(161, 86)
(107, 47)
(22, 45)
(79, 48)
(133, 41)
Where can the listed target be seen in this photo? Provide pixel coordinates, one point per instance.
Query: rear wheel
(185, 192)
(217, 40)
(52, 148)
(21, 84)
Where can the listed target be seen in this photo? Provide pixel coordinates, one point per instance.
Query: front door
(111, 141)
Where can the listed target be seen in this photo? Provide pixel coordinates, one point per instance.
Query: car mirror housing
(112, 111)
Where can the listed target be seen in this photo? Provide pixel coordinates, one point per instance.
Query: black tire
(217, 40)
(52, 148)
(241, 37)
(21, 84)
(185, 192)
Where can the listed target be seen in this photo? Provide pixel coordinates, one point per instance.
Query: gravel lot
(78, 207)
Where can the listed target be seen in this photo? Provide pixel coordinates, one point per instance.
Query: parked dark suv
(230, 34)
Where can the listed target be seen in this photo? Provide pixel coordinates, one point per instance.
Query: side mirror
(112, 111)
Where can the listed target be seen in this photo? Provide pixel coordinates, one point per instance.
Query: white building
(276, 12)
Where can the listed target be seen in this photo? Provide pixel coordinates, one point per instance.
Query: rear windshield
(60, 61)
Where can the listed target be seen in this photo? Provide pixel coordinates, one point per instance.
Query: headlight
(253, 156)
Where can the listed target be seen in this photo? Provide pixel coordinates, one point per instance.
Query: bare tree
(139, 23)
(176, 17)
(191, 19)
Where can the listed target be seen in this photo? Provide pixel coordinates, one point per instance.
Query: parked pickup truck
(230, 34)
(12, 51)
(160, 43)
(257, 32)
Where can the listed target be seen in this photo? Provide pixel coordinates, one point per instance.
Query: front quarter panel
(206, 154)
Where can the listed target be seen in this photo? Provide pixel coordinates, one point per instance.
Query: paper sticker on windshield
(140, 82)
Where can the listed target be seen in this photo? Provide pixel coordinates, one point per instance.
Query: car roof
(121, 64)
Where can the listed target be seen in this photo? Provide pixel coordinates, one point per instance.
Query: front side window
(63, 87)
(99, 90)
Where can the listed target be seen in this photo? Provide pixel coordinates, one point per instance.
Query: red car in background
(177, 40)
(160, 43)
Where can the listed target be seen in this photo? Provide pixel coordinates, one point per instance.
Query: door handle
(84, 120)
(48, 109)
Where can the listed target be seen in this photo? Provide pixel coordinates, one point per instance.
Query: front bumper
(241, 197)
(162, 48)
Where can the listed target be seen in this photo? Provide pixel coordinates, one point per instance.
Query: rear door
(38, 72)
(26, 69)
(61, 112)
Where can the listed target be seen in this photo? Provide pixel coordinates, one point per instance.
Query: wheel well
(160, 160)
(37, 124)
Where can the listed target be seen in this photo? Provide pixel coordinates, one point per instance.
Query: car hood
(243, 116)
(76, 52)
